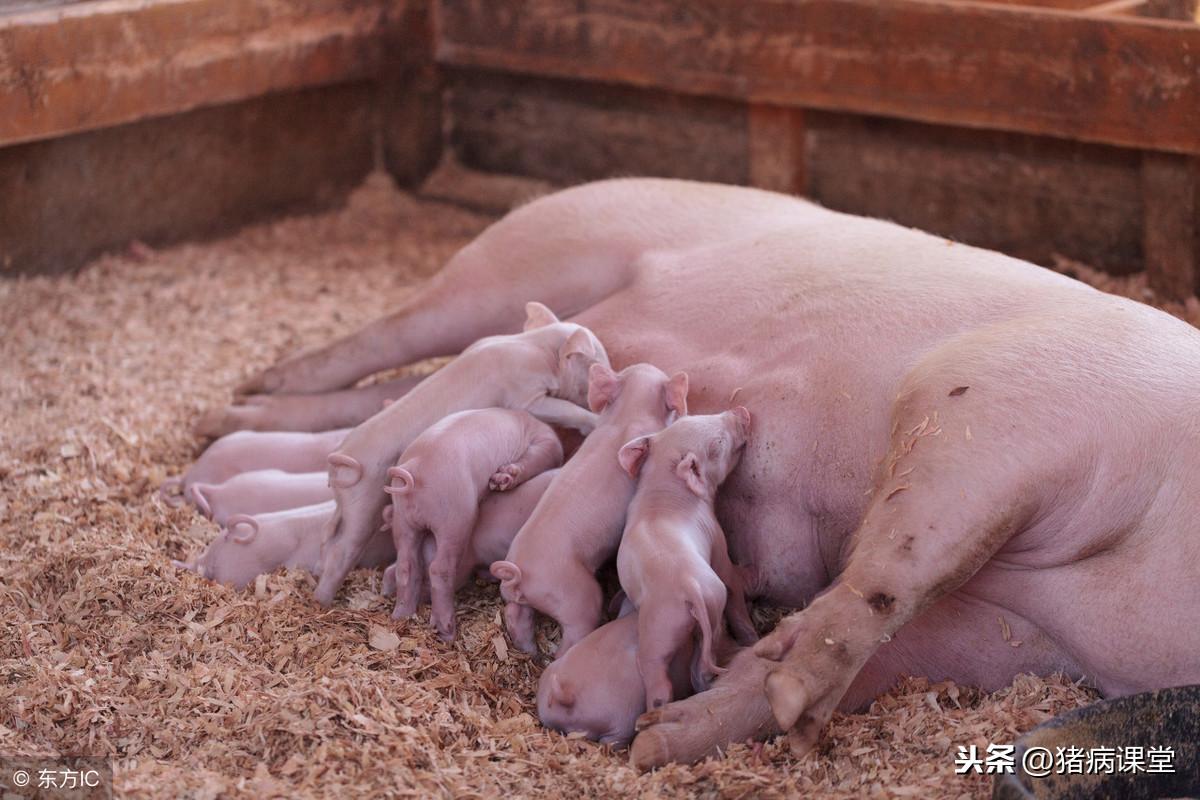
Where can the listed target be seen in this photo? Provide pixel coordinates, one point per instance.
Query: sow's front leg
(945, 501)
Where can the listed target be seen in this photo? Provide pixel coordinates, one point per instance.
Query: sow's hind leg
(542, 251)
(344, 408)
(959, 481)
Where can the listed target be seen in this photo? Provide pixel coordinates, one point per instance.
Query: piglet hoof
(171, 492)
(344, 471)
(447, 631)
(324, 594)
(403, 610)
(504, 478)
(244, 521)
(389, 581)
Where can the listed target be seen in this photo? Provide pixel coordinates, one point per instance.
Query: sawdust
(196, 689)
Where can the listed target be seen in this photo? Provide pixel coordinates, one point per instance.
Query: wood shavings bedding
(195, 689)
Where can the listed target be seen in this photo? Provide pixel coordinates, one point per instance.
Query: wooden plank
(200, 173)
(1030, 197)
(1125, 81)
(97, 64)
(565, 132)
(777, 148)
(1116, 7)
(1171, 202)
(1074, 5)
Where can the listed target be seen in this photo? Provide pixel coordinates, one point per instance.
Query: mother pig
(966, 466)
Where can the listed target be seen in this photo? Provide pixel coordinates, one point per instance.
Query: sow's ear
(603, 387)
(633, 454)
(538, 316)
(677, 389)
(688, 471)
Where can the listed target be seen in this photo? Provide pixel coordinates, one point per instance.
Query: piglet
(595, 689)
(551, 566)
(260, 491)
(673, 561)
(542, 370)
(437, 487)
(501, 515)
(251, 546)
(245, 451)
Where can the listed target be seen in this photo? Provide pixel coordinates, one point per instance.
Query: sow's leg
(549, 250)
(304, 412)
(959, 481)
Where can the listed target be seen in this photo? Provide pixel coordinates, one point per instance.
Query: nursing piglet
(596, 689)
(251, 546)
(551, 566)
(260, 491)
(245, 451)
(673, 561)
(501, 515)
(437, 487)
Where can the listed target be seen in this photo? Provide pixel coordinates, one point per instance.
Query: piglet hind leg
(941, 509)
(544, 452)
(452, 539)
(663, 630)
(408, 576)
(582, 611)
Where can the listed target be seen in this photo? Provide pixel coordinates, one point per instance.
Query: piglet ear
(538, 316)
(633, 454)
(688, 471)
(603, 386)
(742, 416)
(579, 345)
(559, 693)
(676, 392)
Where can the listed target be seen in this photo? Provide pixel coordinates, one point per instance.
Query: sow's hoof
(1169, 718)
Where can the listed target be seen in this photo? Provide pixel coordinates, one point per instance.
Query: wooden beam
(93, 65)
(1116, 7)
(777, 149)
(1122, 81)
(1171, 232)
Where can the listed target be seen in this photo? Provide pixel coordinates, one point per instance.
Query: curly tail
(344, 471)
(509, 575)
(237, 520)
(402, 481)
(200, 499)
(699, 611)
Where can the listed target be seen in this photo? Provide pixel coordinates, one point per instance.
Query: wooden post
(1171, 232)
(777, 148)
